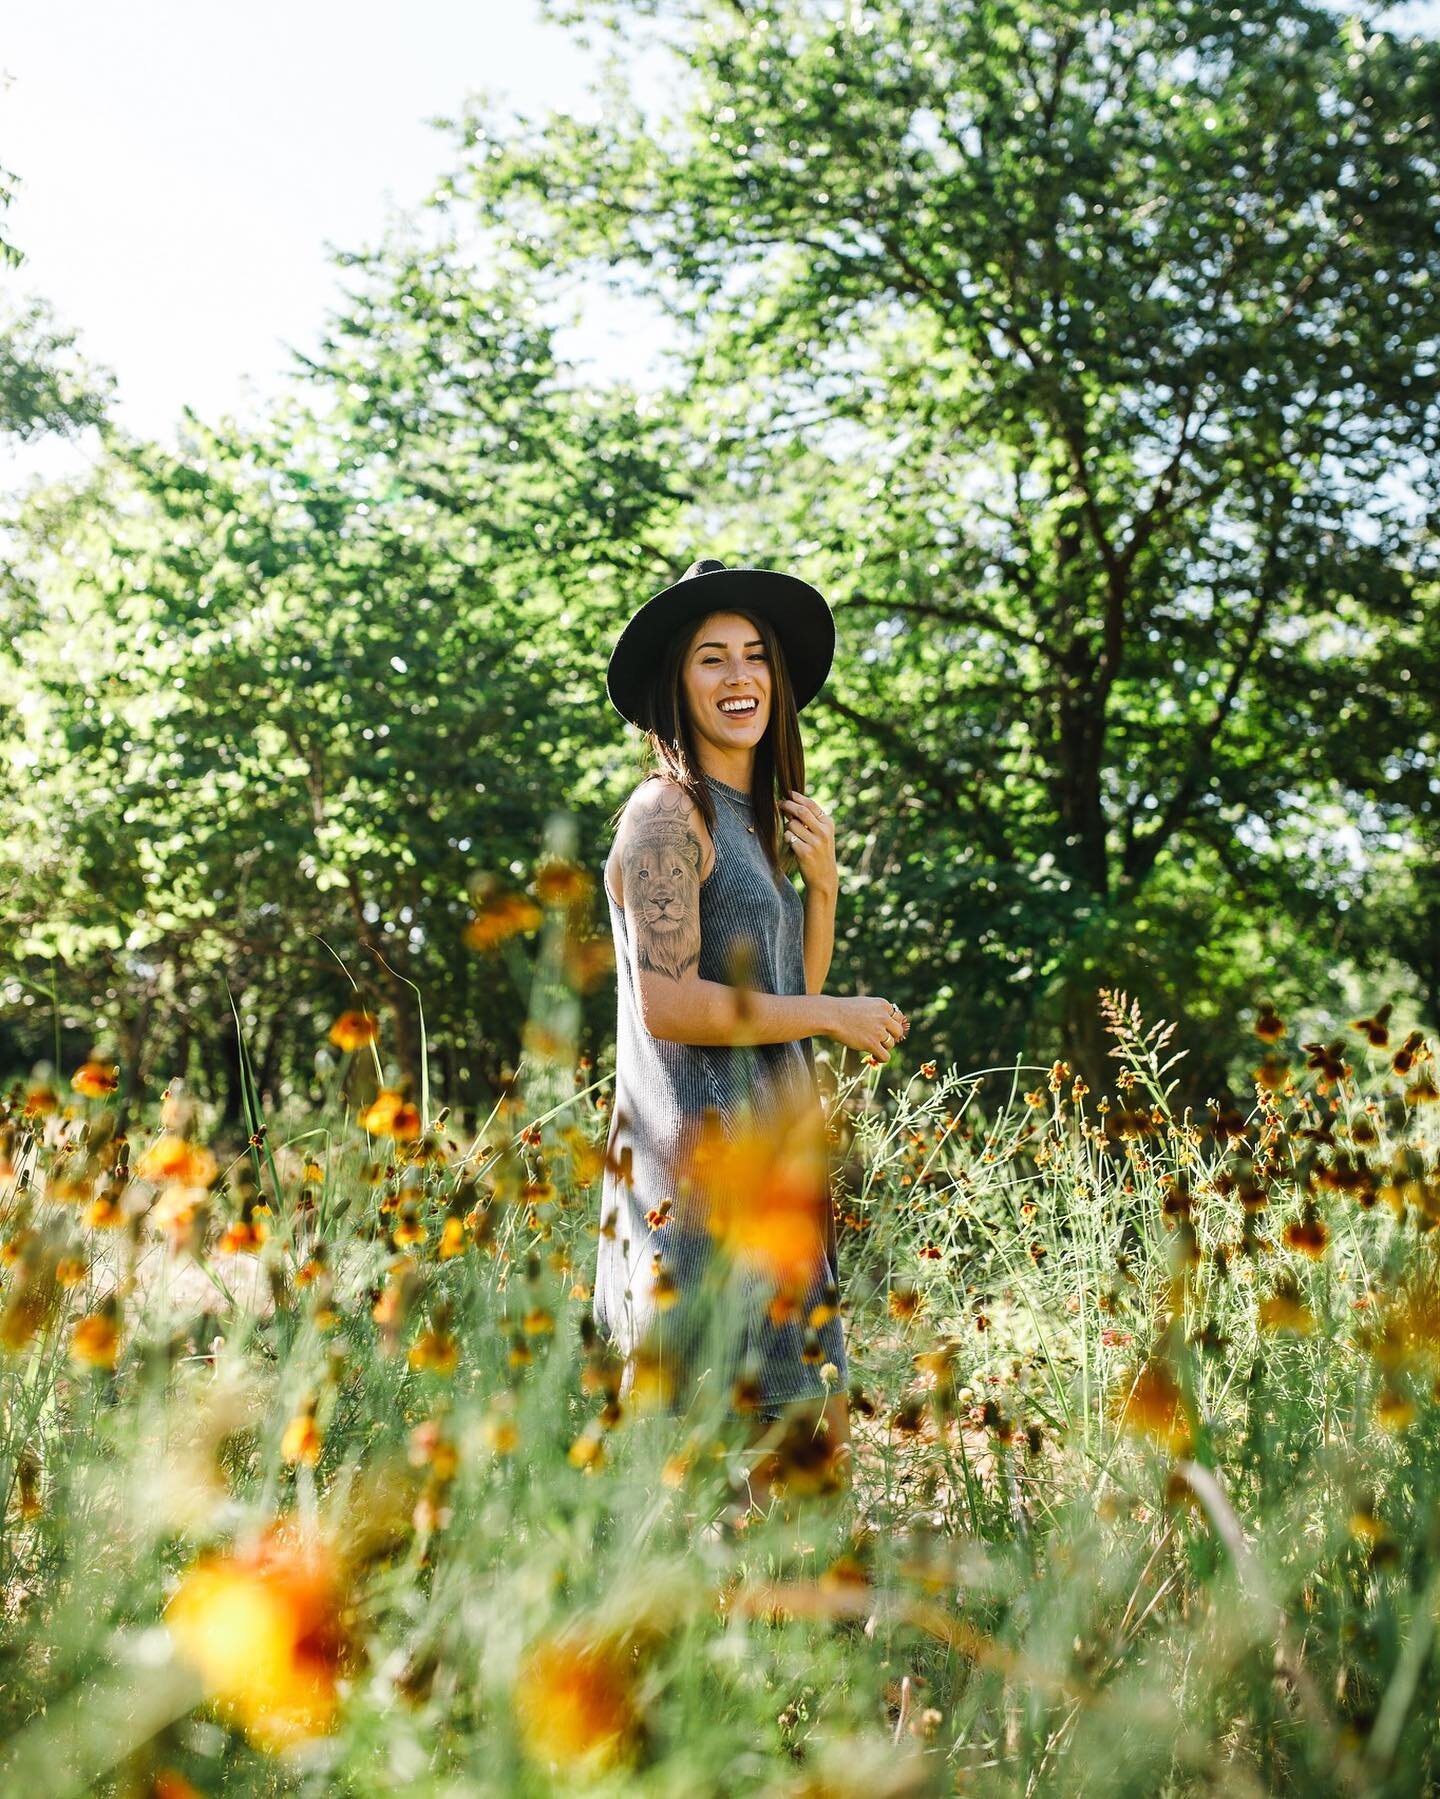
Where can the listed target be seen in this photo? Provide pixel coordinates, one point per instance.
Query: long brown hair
(779, 765)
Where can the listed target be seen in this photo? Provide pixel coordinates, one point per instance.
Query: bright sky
(182, 165)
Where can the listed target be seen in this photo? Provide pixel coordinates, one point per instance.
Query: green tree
(305, 683)
(1087, 354)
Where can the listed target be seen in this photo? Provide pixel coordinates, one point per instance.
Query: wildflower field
(318, 1478)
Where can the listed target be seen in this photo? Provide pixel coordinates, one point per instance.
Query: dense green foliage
(1085, 357)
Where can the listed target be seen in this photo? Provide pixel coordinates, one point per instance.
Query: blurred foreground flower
(390, 1114)
(1285, 1310)
(1154, 1407)
(263, 1628)
(175, 1159)
(589, 959)
(809, 1461)
(353, 1030)
(302, 1440)
(40, 1100)
(763, 1194)
(499, 914)
(562, 883)
(575, 1705)
(34, 1293)
(175, 1215)
(96, 1080)
(95, 1340)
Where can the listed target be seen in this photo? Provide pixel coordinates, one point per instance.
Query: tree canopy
(1085, 357)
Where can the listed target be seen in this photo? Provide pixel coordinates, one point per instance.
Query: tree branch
(1145, 848)
(958, 613)
(941, 780)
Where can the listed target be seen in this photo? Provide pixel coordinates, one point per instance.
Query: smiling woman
(720, 966)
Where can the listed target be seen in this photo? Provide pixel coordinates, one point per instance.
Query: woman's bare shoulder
(658, 796)
(657, 801)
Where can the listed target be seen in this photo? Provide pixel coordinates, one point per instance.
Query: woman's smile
(727, 677)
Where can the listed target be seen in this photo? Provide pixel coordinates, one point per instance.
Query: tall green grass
(1144, 1492)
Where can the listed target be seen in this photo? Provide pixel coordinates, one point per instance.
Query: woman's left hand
(811, 832)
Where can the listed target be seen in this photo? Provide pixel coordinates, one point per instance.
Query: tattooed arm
(663, 857)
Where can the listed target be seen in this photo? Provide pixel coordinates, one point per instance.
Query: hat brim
(799, 613)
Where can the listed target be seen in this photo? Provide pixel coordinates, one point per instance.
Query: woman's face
(726, 663)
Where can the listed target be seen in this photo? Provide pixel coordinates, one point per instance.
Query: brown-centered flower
(96, 1080)
(263, 1628)
(353, 1030)
(575, 1704)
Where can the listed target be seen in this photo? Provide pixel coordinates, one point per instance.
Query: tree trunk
(232, 1114)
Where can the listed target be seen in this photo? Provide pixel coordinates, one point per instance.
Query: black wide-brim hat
(802, 620)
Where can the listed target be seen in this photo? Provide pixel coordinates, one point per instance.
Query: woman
(714, 671)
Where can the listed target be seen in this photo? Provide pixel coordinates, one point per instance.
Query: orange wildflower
(499, 915)
(13, 1249)
(27, 1482)
(353, 1030)
(34, 1297)
(301, 1441)
(392, 1308)
(95, 1340)
(435, 1352)
(1269, 1026)
(677, 1466)
(654, 1379)
(96, 1080)
(588, 1449)
(575, 1706)
(764, 1193)
(808, 1461)
(430, 1447)
(1308, 1235)
(587, 962)
(1272, 1074)
(499, 1432)
(561, 883)
(390, 1114)
(263, 1628)
(171, 1158)
(1285, 1310)
(410, 1229)
(170, 1783)
(174, 1214)
(903, 1302)
(66, 1190)
(244, 1236)
(104, 1212)
(1154, 1407)
(1394, 1409)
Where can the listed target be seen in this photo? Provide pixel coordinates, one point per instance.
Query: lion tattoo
(662, 892)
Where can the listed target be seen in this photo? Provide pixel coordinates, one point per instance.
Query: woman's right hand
(872, 1025)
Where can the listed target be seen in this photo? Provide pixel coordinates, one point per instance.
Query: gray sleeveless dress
(662, 1090)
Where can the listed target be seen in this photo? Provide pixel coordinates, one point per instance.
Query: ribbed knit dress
(662, 1090)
